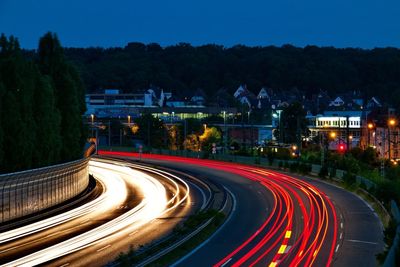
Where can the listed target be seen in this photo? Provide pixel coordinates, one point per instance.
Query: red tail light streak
(300, 230)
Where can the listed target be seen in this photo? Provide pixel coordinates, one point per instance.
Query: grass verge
(188, 226)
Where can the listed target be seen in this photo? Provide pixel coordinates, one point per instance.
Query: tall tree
(2, 91)
(17, 120)
(294, 123)
(151, 130)
(69, 94)
(48, 120)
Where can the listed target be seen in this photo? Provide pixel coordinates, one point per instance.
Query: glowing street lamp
(370, 126)
(332, 135)
(391, 122)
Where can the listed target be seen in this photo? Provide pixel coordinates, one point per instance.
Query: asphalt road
(97, 237)
(283, 220)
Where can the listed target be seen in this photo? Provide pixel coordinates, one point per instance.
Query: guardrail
(27, 192)
(390, 259)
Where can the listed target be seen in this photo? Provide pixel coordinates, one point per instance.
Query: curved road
(281, 220)
(129, 212)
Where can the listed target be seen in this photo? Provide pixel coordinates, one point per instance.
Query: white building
(338, 126)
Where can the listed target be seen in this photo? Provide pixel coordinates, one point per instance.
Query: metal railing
(27, 192)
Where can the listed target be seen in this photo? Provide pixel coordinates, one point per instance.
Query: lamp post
(225, 133)
(370, 127)
(92, 119)
(391, 123)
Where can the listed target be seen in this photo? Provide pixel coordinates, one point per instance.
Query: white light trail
(115, 193)
(153, 205)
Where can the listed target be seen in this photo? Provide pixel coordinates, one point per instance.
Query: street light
(370, 127)
(92, 117)
(225, 133)
(129, 120)
(332, 135)
(391, 122)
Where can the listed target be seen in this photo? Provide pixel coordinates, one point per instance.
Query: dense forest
(41, 102)
(183, 68)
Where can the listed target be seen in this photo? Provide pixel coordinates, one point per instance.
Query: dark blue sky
(82, 23)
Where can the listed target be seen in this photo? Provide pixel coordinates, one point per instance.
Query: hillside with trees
(183, 68)
(41, 102)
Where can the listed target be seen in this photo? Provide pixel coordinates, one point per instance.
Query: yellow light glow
(370, 126)
(332, 134)
(392, 122)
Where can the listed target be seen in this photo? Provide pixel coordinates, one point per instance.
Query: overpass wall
(27, 192)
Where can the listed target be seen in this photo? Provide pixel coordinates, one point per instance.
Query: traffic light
(341, 148)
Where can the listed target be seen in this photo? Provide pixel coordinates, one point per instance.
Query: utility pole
(298, 135)
(389, 142)
(109, 133)
(184, 133)
(347, 134)
(322, 144)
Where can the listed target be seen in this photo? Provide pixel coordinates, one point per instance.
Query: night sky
(83, 23)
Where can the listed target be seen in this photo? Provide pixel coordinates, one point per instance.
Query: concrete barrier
(27, 192)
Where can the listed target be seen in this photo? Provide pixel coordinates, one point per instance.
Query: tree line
(183, 68)
(41, 102)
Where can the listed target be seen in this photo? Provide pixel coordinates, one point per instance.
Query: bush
(349, 178)
(323, 172)
(332, 173)
(305, 168)
(388, 190)
(271, 156)
(286, 165)
(293, 167)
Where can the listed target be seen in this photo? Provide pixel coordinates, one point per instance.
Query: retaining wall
(27, 192)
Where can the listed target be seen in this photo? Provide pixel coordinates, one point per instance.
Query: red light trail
(300, 230)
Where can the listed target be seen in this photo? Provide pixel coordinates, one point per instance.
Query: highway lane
(278, 220)
(116, 216)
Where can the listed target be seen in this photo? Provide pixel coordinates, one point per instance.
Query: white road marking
(341, 235)
(337, 248)
(225, 263)
(361, 241)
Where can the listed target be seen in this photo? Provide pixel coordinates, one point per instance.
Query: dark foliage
(211, 67)
(40, 107)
